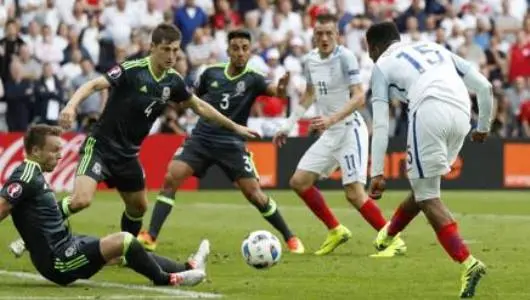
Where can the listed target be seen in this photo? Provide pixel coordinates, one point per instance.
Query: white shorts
(436, 134)
(346, 147)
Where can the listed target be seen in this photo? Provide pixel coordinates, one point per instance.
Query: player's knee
(299, 183)
(355, 194)
(255, 195)
(170, 182)
(356, 199)
(137, 208)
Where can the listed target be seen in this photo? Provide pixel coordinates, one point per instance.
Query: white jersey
(331, 77)
(434, 83)
(412, 71)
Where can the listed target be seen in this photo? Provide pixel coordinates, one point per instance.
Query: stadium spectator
(33, 37)
(49, 49)
(78, 19)
(19, 96)
(92, 107)
(471, 51)
(416, 9)
(49, 96)
(49, 15)
(119, 21)
(524, 118)
(519, 58)
(31, 68)
(517, 94)
(9, 46)
(150, 17)
(188, 18)
(72, 46)
(225, 17)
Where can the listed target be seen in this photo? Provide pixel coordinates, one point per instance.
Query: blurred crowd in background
(48, 48)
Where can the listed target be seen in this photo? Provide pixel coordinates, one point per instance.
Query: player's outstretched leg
(269, 210)
(126, 245)
(302, 183)
(387, 240)
(370, 211)
(427, 193)
(177, 172)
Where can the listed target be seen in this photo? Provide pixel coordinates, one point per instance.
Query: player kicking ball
(434, 83)
(332, 75)
(231, 89)
(140, 90)
(56, 253)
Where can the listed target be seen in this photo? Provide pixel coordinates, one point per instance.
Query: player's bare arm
(68, 113)
(280, 138)
(205, 110)
(279, 90)
(5, 209)
(356, 102)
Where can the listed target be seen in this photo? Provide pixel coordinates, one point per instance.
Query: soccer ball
(261, 249)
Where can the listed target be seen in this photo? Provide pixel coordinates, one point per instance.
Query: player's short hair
(382, 34)
(324, 18)
(36, 135)
(239, 34)
(165, 33)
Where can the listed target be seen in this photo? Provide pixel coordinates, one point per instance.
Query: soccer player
(433, 82)
(60, 256)
(332, 75)
(140, 91)
(232, 89)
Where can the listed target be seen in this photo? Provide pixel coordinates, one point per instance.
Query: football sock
(141, 262)
(452, 242)
(131, 224)
(372, 214)
(400, 220)
(164, 204)
(168, 265)
(315, 201)
(271, 213)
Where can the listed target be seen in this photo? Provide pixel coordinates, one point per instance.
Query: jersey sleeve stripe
(29, 170)
(135, 63)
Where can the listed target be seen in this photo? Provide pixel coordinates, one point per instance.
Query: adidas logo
(143, 89)
(214, 84)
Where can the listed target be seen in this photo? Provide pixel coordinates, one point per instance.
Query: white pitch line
(216, 206)
(102, 284)
(107, 297)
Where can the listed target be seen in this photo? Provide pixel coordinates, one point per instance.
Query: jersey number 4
(149, 109)
(432, 56)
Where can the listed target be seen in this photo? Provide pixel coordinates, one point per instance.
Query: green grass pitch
(494, 224)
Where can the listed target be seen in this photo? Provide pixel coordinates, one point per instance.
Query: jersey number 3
(225, 102)
(432, 56)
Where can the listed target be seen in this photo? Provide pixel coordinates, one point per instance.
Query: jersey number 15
(432, 56)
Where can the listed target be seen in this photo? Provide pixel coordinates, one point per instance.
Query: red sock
(399, 221)
(452, 242)
(372, 214)
(314, 200)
